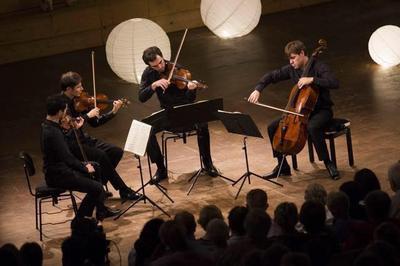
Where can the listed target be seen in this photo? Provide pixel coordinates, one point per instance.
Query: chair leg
(40, 219)
(294, 162)
(333, 151)
(349, 147)
(310, 150)
(36, 213)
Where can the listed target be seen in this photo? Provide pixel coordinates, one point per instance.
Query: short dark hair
(295, 47)
(55, 103)
(150, 54)
(257, 198)
(69, 79)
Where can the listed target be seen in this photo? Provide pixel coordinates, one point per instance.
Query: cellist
(319, 76)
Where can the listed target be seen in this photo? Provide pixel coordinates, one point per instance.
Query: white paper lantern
(384, 46)
(230, 18)
(126, 43)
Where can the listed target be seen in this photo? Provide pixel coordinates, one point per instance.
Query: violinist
(154, 80)
(63, 170)
(320, 76)
(106, 154)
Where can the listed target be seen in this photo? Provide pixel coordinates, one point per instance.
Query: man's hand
(90, 168)
(116, 106)
(79, 121)
(94, 112)
(191, 85)
(254, 96)
(304, 81)
(162, 83)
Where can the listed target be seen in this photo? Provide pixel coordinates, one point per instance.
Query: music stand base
(196, 175)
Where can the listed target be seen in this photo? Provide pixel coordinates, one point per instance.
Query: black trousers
(76, 181)
(203, 141)
(108, 156)
(317, 123)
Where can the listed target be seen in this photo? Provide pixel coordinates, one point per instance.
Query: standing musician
(321, 77)
(64, 170)
(170, 95)
(107, 155)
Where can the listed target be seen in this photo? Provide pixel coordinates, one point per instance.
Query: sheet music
(137, 139)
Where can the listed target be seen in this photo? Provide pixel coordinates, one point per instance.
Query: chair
(43, 193)
(336, 128)
(172, 135)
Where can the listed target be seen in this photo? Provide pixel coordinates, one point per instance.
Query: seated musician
(106, 154)
(63, 170)
(170, 95)
(320, 77)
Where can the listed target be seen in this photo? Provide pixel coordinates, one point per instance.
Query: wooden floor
(369, 96)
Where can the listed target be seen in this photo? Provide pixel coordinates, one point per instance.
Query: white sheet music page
(137, 139)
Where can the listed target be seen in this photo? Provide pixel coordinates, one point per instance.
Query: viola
(181, 77)
(85, 102)
(291, 134)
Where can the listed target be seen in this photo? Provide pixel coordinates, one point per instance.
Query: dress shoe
(105, 212)
(284, 171)
(212, 170)
(159, 176)
(333, 172)
(128, 194)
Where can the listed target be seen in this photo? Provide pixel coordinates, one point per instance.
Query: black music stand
(242, 124)
(188, 115)
(136, 143)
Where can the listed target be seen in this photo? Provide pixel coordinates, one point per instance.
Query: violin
(181, 77)
(85, 102)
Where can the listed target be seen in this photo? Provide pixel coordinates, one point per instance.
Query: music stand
(242, 124)
(187, 115)
(136, 143)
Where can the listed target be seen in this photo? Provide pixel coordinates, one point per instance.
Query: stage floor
(368, 96)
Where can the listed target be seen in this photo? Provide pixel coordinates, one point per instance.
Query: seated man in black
(170, 95)
(106, 154)
(64, 170)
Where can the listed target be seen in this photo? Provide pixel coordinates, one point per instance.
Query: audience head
(367, 181)
(338, 204)
(187, 221)
(313, 216)
(389, 233)
(218, 232)
(295, 259)
(257, 198)
(377, 206)
(315, 192)
(286, 216)
(257, 224)
(236, 219)
(173, 237)
(149, 237)
(273, 255)
(9, 255)
(207, 213)
(31, 254)
(394, 176)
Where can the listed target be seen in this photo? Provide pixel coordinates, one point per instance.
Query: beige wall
(27, 32)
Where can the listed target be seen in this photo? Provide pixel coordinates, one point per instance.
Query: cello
(291, 134)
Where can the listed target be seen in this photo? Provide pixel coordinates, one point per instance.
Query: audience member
(257, 198)
(236, 219)
(316, 192)
(367, 181)
(207, 213)
(394, 180)
(31, 254)
(295, 259)
(377, 206)
(352, 190)
(9, 255)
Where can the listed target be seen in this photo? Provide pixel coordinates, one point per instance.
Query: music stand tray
(187, 115)
(136, 143)
(242, 124)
